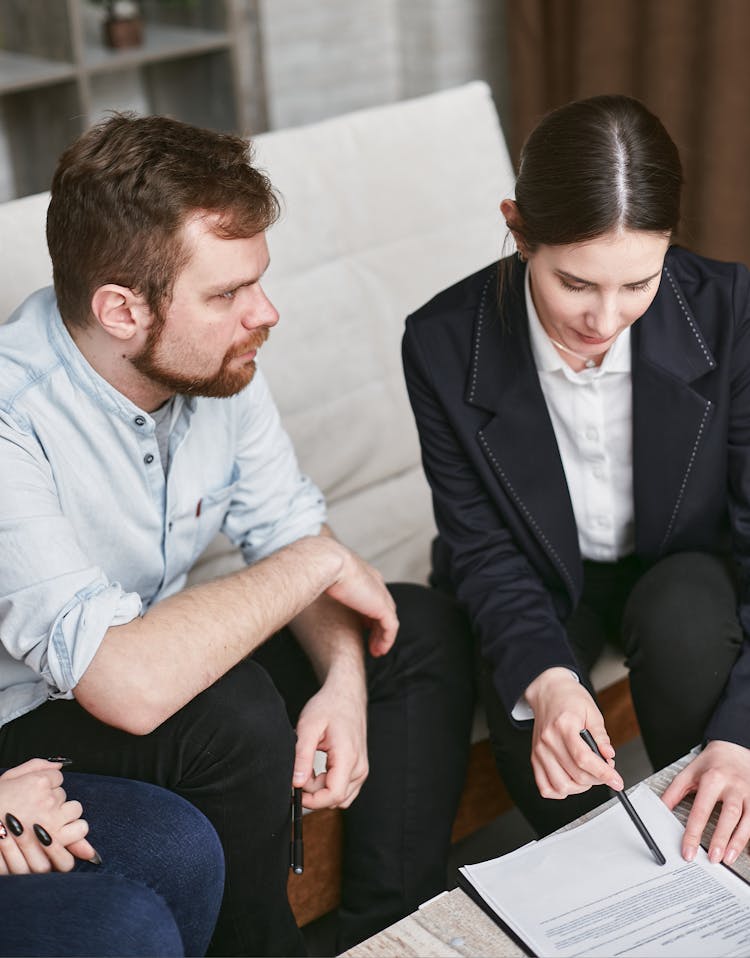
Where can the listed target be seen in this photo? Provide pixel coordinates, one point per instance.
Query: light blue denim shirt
(92, 533)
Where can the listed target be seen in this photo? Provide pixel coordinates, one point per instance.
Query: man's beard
(228, 381)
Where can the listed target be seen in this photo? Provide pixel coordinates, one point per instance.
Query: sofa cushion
(25, 264)
(382, 209)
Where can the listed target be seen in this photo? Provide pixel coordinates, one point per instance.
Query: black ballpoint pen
(296, 860)
(628, 805)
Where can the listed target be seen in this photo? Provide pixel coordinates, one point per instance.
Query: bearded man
(134, 426)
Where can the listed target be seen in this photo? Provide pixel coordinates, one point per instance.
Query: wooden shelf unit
(197, 58)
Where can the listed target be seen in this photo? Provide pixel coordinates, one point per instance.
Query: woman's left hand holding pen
(41, 830)
(563, 764)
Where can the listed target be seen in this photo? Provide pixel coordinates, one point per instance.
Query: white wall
(325, 58)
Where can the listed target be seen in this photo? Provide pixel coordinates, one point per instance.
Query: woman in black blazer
(584, 415)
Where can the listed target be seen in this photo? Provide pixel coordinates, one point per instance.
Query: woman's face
(587, 293)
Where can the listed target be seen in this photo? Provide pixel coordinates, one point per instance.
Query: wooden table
(451, 925)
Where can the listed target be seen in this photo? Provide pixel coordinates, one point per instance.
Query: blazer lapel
(519, 440)
(669, 416)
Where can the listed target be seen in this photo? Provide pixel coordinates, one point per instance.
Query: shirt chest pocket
(193, 527)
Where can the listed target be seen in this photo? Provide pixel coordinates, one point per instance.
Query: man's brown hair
(121, 194)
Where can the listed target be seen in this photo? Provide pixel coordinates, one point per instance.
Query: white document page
(597, 890)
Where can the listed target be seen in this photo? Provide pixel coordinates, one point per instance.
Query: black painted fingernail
(43, 835)
(96, 859)
(60, 759)
(13, 824)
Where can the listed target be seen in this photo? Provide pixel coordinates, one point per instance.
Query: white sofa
(382, 209)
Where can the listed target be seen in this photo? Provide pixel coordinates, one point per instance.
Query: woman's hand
(720, 774)
(563, 764)
(32, 795)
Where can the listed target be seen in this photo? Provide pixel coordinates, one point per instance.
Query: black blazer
(507, 534)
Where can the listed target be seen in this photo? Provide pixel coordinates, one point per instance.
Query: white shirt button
(592, 433)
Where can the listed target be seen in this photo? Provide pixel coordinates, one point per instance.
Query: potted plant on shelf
(123, 24)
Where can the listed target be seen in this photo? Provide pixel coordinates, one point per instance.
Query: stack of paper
(597, 890)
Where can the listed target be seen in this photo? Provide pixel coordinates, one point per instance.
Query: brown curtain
(687, 60)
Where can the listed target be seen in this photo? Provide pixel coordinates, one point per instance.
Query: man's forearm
(146, 670)
(331, 636)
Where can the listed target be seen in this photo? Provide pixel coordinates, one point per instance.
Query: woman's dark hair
(593, 166)
(596, 165)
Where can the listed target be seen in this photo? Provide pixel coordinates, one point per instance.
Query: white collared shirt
(93, 529)
(591, 413)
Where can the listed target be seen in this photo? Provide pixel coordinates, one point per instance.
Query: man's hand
(333, 721)
(33, 794)
(563, 764)
(361, 587)
(721, 773)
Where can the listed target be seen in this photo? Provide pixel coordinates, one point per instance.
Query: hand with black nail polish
(42, 829)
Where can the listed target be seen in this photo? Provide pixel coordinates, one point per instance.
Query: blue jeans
(157, 891)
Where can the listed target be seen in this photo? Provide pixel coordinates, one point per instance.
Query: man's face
(205, 343)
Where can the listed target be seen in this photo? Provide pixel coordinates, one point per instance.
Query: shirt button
(592, 433)
(139, 421)
(148, 458)
(604, 521)
(598, 471)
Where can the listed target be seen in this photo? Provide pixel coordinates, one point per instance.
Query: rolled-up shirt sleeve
(273, 503)
(55, 606)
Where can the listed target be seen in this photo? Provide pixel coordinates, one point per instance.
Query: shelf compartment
(42, 127)
(19, 71)
(197, 90)
(160, 43)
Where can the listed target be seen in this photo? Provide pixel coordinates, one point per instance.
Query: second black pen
(296, 860)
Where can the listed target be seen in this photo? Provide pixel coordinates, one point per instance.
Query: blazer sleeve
(519, 630)
(731, 719)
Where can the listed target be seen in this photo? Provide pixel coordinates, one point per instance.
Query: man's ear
(509, 209)
(119, 311)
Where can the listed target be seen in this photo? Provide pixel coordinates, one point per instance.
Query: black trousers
(677, 624)
(230, 752)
